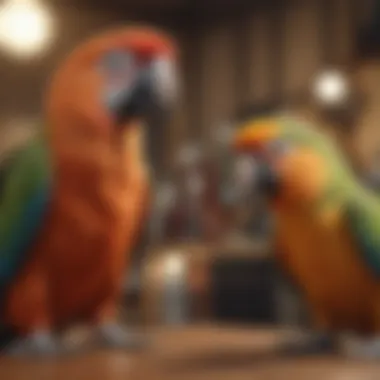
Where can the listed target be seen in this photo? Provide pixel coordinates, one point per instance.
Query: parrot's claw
(308, 344)
(362, 348)
(37, 344)
(113, 335)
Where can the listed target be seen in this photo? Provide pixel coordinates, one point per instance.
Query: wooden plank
(242, 60)
(344, 31)
(195, 353)
(302, 47)
(326, 24)
(277, 31)
(260, 58)
(217, 78)
(192, 84)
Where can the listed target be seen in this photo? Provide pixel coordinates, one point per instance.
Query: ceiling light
(25, 27)
(331, 88)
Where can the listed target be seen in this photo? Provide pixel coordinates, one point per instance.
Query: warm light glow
(25, 27)
(331, 88)
(174, 264)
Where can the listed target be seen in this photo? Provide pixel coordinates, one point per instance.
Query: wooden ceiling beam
(179, 14)
(140, 7)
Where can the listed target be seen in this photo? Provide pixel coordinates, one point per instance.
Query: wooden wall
(262, 55)
(257, 56)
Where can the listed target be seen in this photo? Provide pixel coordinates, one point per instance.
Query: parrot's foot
(36, 344)
(308, 344)
(357, 348)
(113, 335)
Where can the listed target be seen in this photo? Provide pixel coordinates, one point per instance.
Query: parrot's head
(112, 82)
(294, 163)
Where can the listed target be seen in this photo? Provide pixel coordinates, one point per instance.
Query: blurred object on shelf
(190, 282)
(175, 303)
(168, 283)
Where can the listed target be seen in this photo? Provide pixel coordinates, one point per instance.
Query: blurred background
(202, 258)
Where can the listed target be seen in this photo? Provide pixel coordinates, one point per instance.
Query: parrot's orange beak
(254, 136)
(251, 139)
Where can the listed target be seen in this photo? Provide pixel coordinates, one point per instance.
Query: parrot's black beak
(144, 91)
(268, 182)
(152, 91)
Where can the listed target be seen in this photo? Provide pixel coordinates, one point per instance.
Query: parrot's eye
(117, 61)
(279, 147)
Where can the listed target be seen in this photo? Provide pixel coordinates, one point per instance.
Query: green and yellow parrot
(327, 224)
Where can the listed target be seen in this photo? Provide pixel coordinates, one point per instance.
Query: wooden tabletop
(193, 353)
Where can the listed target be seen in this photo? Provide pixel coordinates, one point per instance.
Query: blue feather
(24, 233)
(366, 233)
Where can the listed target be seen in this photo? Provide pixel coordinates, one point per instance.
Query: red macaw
(74, 197)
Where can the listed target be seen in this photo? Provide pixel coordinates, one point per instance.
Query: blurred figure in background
(249, 215)
(190, 204)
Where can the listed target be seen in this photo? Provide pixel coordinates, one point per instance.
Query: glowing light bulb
(25, 27)
(331, 88)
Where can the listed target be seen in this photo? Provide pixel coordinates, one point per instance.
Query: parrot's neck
(117, 161)
(132, 145)
(329, 206)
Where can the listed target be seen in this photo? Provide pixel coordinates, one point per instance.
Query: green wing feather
(23, 205)
(363, 217)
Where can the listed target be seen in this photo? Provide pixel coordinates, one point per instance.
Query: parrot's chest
(90, 234)
(322, 259)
